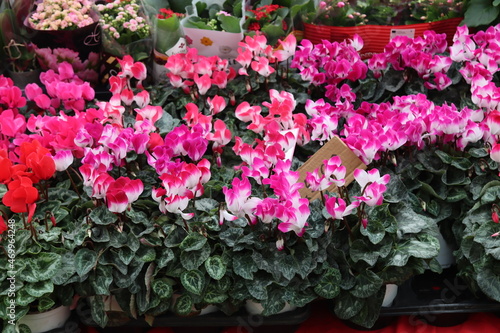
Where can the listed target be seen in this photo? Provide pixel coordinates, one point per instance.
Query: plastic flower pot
(46, 321)
(391, 291)
(22, 79)
(214, 43)
(255, 308)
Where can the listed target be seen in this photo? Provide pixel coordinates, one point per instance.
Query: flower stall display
(231, 183)
(378, 22)
(215, 27)
(126, 30)
(72, 25)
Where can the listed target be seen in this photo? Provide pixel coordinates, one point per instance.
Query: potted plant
(23, 66)
(37, 263)
(78, 32)
(17, 52)
(214, 27)
(477, 235)
(377, 22)
(128, 35)
(271, 19)
(169, 39)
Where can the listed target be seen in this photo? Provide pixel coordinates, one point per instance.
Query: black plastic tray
(432, 293)
(214, 319)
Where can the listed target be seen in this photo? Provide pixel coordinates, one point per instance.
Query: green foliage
(480, 13)
(39, 260)
(209, 17)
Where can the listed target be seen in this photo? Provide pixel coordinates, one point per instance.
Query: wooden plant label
(333, 147)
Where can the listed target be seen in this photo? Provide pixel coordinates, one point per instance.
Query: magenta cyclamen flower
(338, 208)
(292, 211)
(495, 152)
(181, 182)
(372, 186)
(333, 172)
(123, 192)
(238, 199)
(328, 62)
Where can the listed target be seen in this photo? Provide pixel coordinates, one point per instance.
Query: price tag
(403, 32)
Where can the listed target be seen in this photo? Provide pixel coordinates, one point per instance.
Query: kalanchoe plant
(58, 15)
(126, 29)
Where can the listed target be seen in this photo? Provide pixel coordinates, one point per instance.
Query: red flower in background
(254, 26)
(264, 11)
(168, 13)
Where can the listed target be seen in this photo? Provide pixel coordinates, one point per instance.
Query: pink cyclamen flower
(123, 192)
(373, 194)
(63, 159)
(372, 176)
(338, 208)
(216, 104)
(238, 199)
(245, 112)
(288, 47)
(262, 66)
(203, 83)
(495, 152)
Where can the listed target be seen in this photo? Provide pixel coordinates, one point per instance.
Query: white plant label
(403, 32)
